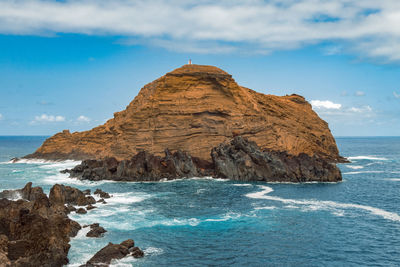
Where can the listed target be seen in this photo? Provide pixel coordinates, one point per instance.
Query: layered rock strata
(239, 159)
(195, 108)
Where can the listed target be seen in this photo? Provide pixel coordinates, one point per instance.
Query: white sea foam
(63, 178)
(225, 217)
(127, 198)
(360, 172)
(152, 251)
(325, 205)
(366, 158)
(354, 167)
(200, 191)
(393, 179)
(82, 233)
(265, 208)
(242, 185)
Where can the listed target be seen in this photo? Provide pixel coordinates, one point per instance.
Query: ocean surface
(207, 222)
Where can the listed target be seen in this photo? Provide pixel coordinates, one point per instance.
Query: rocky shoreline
(240, 159)
(35, 229)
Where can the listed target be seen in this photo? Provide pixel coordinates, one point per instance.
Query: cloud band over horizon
(364, 28)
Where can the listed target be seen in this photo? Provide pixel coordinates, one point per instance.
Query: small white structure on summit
(190, 62)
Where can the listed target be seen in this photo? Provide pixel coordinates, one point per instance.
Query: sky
(72, 64)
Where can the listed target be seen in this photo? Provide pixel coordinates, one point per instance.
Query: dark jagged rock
(28, 192)
(90, 207)
(81, 211)
(33, 232)
(113, 252)
(142, 167)
(86, 192)
(101, 200)
(136, 252)
(95, 230)
(70, 208)
(61, 194)
(102, 193)
(240, 159)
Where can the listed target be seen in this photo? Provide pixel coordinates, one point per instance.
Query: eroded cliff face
(195, 108)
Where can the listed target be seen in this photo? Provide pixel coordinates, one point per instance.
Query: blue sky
(72, 64)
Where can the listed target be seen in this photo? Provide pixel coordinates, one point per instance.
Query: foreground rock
(240, 159)
(34, 231)
(195, 108)
(114, 252)
(61, 194)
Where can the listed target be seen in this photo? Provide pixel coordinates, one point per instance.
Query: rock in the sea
(90, 207)
(113, 252)
(141, 167)
(28, 192)
(101, 193)
(34, 232)
(243, 160)
(61, 194)
(195, 108)
(95, 230)
(239, 159)
(81, 211)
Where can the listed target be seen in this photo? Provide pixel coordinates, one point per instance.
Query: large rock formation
(195, 108)
(34, 231)
(239, 159)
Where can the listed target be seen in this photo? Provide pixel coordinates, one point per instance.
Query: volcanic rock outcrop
(194, 109)
(114, 252)
(34, 231)
(239, 159)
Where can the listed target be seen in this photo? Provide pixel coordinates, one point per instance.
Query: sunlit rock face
(195, 108)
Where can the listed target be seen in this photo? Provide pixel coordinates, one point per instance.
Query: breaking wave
(332, 206)
(366, 158)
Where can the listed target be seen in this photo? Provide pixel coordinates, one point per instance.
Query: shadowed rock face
(239, 159)
(195, 108)
(114, 252)
(35, 232)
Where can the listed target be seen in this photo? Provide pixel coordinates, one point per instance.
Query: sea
(217, 222)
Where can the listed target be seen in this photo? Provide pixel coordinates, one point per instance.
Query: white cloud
(44, 118)
(1, 116)
(367, 27)
(396, 95)
(359, 93)
(361, 109)
(320, 104)
(83, 119)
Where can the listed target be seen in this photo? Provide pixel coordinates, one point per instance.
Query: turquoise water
(199, 222)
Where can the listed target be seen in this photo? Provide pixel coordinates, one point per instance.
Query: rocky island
(197, 121)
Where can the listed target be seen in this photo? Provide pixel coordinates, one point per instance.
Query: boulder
(112, 252)
(101, 193)
(95, 230)
(81, 211)
(61, 194)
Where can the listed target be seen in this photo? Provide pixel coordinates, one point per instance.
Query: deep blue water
(199, 222)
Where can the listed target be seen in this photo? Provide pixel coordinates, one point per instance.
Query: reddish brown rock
(34, 233)
(195, 108)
